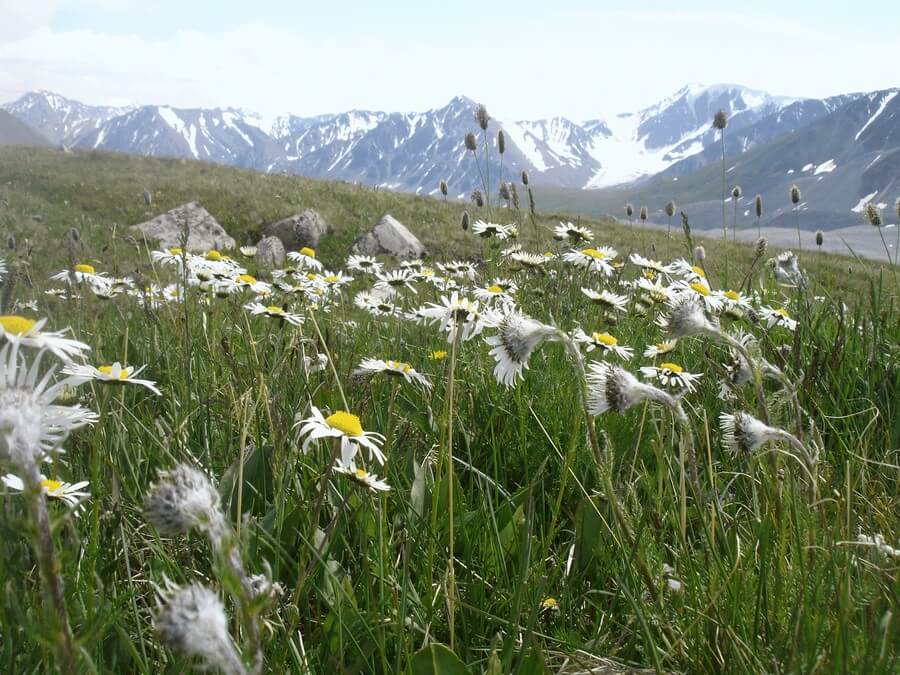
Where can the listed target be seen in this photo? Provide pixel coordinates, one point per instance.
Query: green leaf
(436, 659)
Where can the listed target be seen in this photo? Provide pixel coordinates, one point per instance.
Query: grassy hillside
(560, 500)
(44, 193)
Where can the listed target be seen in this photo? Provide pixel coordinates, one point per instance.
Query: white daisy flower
(248, 251)
(593, 259)
(526, 259)
(734, 303)
(456, 313)
(363, 263)
(305, 259)
(611, 387)
(80, 273)
(648, 264)
(62, 293)
(517, 338)
(671, 375)
(458, 268)
(116, 374)
(660, 348)
(487, 230)
(345, 426)
(572, 233)
(685, 269)
(394, 280)
(315, 364)
(605, 342)
(787, 269)
(655, 290)
(27, 332)
(362, 477)
(372, 367)
(495, 292)
(70, 493)
(700, 291)
(609, 301)
(376, 304)
(274, 312)
(777, 317)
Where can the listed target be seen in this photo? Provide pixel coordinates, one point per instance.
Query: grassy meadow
(574, 522)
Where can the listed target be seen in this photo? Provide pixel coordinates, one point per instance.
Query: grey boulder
(305, 229)
(389, 237)
(270, 252)
(204, 232)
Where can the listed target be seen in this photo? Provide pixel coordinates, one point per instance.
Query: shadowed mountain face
(666, 151)
(13, 131)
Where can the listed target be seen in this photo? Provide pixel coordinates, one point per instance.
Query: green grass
(770, 583)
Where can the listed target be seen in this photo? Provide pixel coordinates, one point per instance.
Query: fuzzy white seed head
(183, 498)
(744, 434)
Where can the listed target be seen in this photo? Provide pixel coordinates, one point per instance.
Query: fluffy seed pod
(443, 187)
(758, 202)
(643, 213)
(736, 192)
(504, 191)
(465, 221)
(795, 195)
(873, 215)
(478, 198)
(471, 144)
(762, 245)
(820, 237)
(182, 499)
(501, 142)
(524, 177)
(720, 120)
(699, 254)
(481, 116)
(629, 210)
(670, 208)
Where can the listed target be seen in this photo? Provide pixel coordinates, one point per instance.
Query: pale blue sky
(524, 59)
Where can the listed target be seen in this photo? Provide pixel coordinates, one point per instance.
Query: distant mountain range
(666, 151)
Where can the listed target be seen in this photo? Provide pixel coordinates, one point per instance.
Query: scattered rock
(204, 232)
(389, 237)
(270, 252)
(298, 231)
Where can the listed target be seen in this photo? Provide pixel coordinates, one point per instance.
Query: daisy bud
(820, 237)
(478, 198)
(525, 178)
(873, 215)
(182, 499)
(470, 142)
(762, 244)
(192, 621)
(629, 210)
(481, 116)
(443, 187)
(465, 221)
(643, 213)
(720, 120)
(736, 192)
(758, 203)
(795, 195)
(501, 142)
(699, 254)
(670, 208)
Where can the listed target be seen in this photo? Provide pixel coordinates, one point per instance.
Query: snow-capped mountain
(414, 151)
(219, 136)
(59, 119)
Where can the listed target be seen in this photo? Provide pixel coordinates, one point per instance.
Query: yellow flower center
(85, 269)
(274, 309)
(246, 278)
(783, 312)
(700, 288)
(310, 276)
(548, 254)
(308, 252)
(698, 271)
(16, 325)
(361, 474)
(52, 486)
(495, 289)
(733, 295)
(107, 370)
(665, 347)
(649, 274)
(606, 339)
(672, 367)
(438, 355)
(400, 365)
(345, 422)
(549, 603)
(593, 253)
(332, 278)
(214, 255)
(175, 250)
